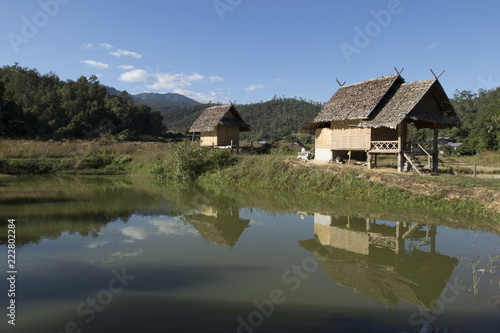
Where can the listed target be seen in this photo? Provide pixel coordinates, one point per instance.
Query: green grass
(272, 173)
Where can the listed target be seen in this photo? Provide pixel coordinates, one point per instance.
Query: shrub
(189, 161)
(95, 160)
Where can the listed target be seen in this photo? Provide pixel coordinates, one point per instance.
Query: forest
(480, 116)
(44, 107)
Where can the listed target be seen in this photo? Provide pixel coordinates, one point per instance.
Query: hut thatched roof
(225, 115)
(417, 278)
(223, 230)
(386, 102)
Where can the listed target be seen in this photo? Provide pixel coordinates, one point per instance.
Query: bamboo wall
(208, 138)
(351, 139)
(323, 138)
(227, 133)
(221, 136)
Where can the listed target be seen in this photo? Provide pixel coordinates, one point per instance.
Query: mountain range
(273, 119)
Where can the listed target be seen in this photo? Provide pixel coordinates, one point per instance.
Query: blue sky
(251, 50)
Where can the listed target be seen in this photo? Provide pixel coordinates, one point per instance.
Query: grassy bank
(276, 171)
(273, 173)
(78, 157)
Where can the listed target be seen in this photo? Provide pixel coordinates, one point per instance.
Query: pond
(112, 254)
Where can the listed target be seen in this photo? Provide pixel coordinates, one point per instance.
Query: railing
(423, 146)
(384, 146)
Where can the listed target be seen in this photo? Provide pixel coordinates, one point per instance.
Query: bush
(189, 161)
(95, 160)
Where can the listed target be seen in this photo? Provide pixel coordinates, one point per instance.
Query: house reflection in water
(221, 226)
(388, 261)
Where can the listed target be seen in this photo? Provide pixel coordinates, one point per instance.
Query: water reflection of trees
(83, 205)
(388, 261)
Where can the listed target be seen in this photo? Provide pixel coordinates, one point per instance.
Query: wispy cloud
(160, 81)
(106, 46)
(431, 46)
(94, 245)
(121, 255)
(166, 81)
(254, 87)
(95, 64)
(126, 67)
(215, 79)
(198, 96)
(121, 52)
(278, 80)
(87, 46)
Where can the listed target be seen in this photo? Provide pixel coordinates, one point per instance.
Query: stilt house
(370, 118)
(219, 125)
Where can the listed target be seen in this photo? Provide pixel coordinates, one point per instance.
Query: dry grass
(75, 148)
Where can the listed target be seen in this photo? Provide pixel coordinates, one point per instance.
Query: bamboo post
(402, 129)
(435, 155)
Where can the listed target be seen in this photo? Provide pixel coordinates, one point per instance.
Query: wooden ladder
(415, 163)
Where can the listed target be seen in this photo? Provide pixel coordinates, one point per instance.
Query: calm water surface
(122, 255)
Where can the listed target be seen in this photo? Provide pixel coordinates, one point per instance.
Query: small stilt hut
(218, 126)
(371, 118)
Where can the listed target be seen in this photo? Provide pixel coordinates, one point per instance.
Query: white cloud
(136, 233)
(121, 52)
(126, 67)
(95, 64)
(198, 96)
(431, 46)
(254, 87)
(136, 75)
(87, 46)
(96, 244)
(107, 46)
(173, 227)
(166, 81)
(121, 255)
(215, 79)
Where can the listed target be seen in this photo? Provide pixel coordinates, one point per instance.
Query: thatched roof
(223, 230)
(225, 115)
(386, 102)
